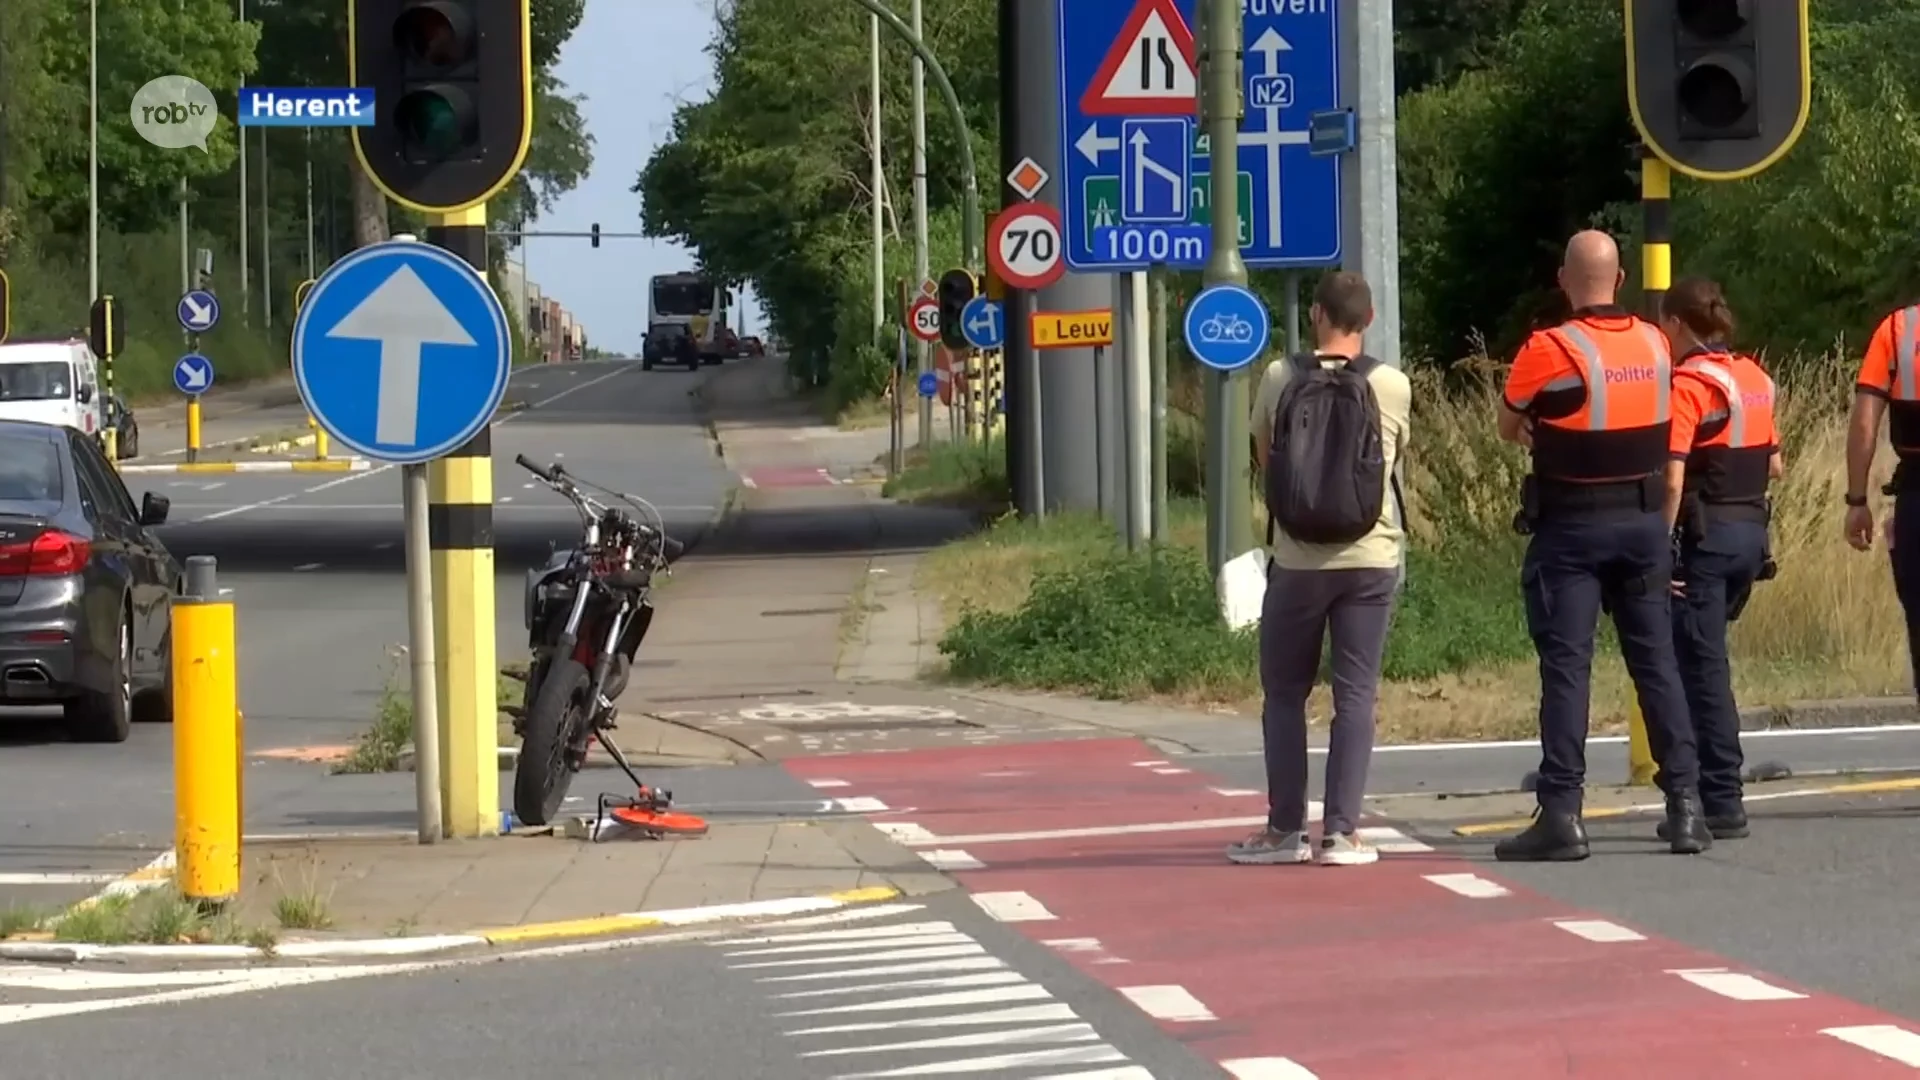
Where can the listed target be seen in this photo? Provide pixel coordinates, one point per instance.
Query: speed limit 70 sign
(923, 319)
(1024, 246)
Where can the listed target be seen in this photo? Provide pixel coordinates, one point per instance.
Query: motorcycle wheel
(541, 776)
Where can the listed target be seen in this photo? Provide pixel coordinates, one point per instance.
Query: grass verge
(1058, 605)
(160, 916)
(382, 747)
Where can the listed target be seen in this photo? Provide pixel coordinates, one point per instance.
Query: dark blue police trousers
(1718, 573)
(1574, 562)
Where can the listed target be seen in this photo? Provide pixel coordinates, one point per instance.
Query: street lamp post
(93, 150)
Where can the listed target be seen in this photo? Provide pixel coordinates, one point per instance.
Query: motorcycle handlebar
(550, 475)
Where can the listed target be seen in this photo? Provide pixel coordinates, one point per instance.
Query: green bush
(1120, 626)
(964, 470)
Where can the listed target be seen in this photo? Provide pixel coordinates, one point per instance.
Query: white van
(53, 382)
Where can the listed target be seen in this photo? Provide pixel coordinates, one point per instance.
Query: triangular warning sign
(1150, 69)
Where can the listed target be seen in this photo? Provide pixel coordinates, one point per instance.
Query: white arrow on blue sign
(199, 311)
(192, 374)
(382, 325)
(1227, 327)
(984, 323)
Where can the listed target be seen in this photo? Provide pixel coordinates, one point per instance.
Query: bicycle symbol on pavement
(1226, 327)
(785, 712)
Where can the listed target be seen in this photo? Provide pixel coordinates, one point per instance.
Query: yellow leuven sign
(1072, 329)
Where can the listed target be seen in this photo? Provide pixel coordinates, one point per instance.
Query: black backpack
(1326, 480)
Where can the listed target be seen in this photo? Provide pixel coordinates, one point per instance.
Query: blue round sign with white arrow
(199, 311)
(192, 374)
(984, 323)
(402, 352)
(1227, 327)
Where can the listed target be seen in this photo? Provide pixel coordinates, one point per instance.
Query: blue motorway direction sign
(1128, 78)
(984, 322)
(199, 311)
(1227, 327)
(929, 384)
(192, 374)
(401, 351)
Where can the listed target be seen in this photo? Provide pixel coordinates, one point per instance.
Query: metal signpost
(376, 331)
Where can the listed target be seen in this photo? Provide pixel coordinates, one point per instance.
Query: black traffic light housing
(957, 289)
(6, 307)
(1720, 89)
(106, 332)
(596, 234)
(453, 97)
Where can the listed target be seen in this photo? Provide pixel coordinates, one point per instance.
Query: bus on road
(690, 304)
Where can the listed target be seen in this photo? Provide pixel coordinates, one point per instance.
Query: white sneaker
(1347, 849)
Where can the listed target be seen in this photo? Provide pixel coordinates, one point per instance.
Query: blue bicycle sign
(1227, 327)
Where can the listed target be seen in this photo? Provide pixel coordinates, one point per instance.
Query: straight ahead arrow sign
(402, 314)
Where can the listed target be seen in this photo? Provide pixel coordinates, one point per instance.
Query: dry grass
(1827, 627)
(864, 414)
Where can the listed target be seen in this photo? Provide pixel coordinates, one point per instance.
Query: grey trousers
(1302, 608)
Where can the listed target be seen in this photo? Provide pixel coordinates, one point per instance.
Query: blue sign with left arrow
(402, 352)
(984, 322)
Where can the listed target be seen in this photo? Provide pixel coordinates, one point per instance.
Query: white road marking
(861, 804)
(1012, 906)
(1887, 1040)
(1471, 886)
(1171, 772)
(1268, 1068)
(306, 566)
(1058, 1033)
(1236, 792)
(1599, 930)
(1170, 1003)
(1155, 763)
(950, 859)
(1092, 830)
(905, 832)
(1390, 841)
(1736, 985)
(57, 879)
(1087, 945)
(829, 783)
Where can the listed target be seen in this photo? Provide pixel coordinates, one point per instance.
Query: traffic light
(452, 93)
(6, 307)
(957, 289)
(596, 234)
(1720, 89)
(106, 334)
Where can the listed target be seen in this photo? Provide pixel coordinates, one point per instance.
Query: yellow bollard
(206, 751)
(319, 439)
(193, 428)
(1641, 768)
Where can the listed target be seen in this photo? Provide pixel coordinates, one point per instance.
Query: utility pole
(93, 151)
(921, 266)
(1228, 449)
(246, 272)
(878, 180)
(266, 236)
(1369, 188)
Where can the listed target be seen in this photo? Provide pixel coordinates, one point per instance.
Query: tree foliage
(1513, 133)
(44, 97)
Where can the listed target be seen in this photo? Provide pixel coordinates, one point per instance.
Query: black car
(86, 589)
(127, 429)
(670, 343)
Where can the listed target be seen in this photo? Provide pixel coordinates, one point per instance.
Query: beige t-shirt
(1381, 548)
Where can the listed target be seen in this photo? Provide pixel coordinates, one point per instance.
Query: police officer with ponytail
(1725, 452)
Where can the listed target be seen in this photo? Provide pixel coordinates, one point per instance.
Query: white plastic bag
(1243, 589)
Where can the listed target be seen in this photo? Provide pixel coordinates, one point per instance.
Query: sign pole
(420, 655)
(1138, 415)
(1228, 524)
(1100, 464)
(460, 487)
(1157, 407)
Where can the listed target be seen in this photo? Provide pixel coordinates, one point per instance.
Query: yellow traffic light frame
(526, 107)
(1787, 144)
(6, 306)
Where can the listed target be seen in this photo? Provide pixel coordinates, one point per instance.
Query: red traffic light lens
(1714, 93)
(434, 33)
(1711, 18)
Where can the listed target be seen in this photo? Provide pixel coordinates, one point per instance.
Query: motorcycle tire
(541, 776)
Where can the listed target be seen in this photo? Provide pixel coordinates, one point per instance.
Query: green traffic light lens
(1714, 94)
(432, 120)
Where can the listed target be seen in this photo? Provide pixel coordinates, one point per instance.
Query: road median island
(1061, 606)
(372, 895)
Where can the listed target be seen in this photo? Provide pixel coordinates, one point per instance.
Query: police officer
(1726, 451)
(1592, 399)
(1889, 385)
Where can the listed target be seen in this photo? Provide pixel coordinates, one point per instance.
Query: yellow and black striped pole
(460, 534)
(1656, 277)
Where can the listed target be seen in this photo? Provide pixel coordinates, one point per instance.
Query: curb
(331, 465)
(429, 945)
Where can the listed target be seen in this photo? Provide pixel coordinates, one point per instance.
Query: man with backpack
(1330, 430)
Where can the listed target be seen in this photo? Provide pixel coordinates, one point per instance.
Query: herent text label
(305, 106)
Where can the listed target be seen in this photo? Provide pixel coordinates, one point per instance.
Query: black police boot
(1728, 826)
(1554, 836)
(1686, 829)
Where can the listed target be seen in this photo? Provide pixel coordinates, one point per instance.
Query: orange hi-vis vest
(1620, 432)
(1735, 442)
(1903, 389)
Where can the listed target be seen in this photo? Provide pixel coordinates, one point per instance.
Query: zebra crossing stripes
(907, 995)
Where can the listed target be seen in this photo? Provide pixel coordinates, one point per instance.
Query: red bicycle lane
(1422, 965)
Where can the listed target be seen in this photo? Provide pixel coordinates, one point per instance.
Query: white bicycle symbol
(792, 712)
(1226, 327)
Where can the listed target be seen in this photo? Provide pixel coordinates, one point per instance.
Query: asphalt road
(318, 571)
(933, 987)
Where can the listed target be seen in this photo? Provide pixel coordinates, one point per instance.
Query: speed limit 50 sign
(924, 319)
(1024, 246)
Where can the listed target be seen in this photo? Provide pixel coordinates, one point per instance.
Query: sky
(634, 62)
